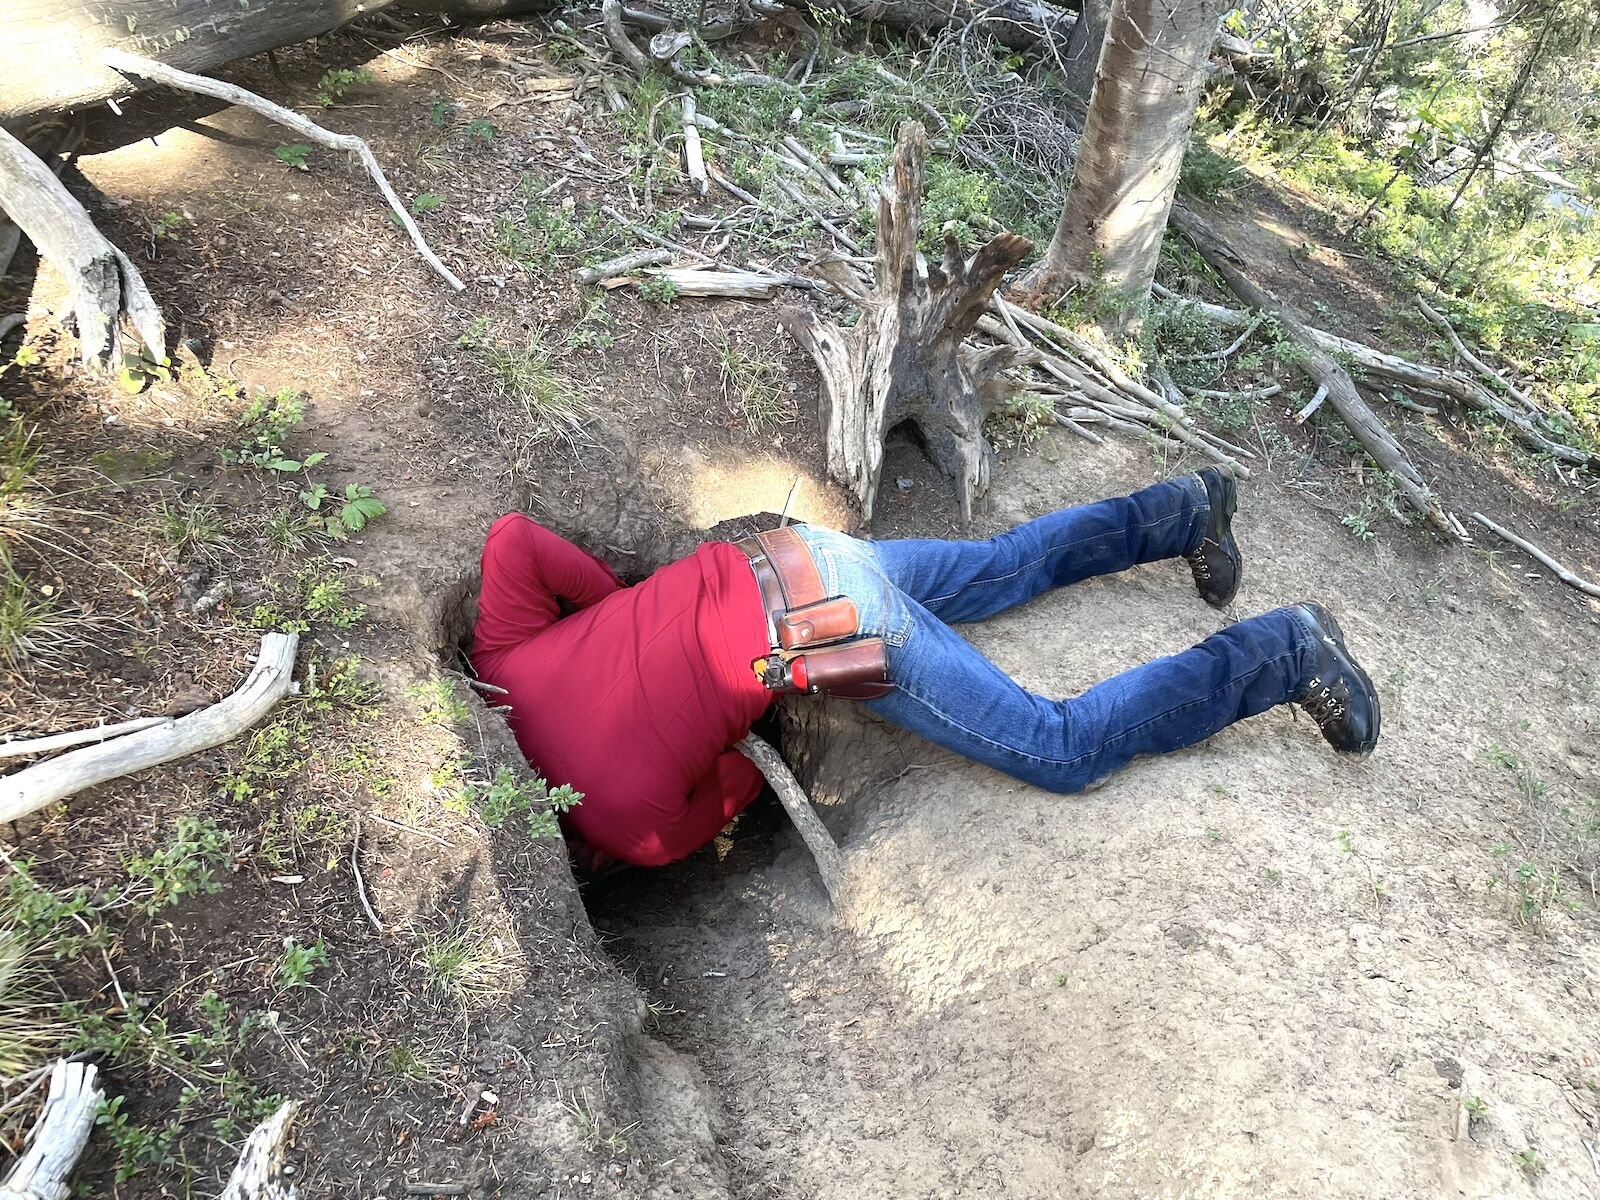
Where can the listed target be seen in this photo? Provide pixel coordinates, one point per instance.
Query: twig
(1528, 548)
(1229, 351)
(1304, 415)
(355, 871)
(651, 236)
(133, 64)
(77, 737)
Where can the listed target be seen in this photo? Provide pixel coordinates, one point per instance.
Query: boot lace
(1199, 564)
(1323, 703)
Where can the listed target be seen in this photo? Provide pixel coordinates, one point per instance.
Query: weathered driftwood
(158, 72)
(259, 1172)
(904, 361)
(694, 155)
(103, 285)
(830, 863)
(1560, 572)
(22, 792)
(1363, 423)
(622, 264)
(24, 747)
(57, 1141)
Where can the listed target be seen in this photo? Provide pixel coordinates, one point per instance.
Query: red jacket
(636, 696)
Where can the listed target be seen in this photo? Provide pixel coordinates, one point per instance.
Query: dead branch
(830, 863)
(1472, 360)
(622, 264)
(104, 288)
(1320, 365)
(694, 157)
(707, 282)
(58, 1140)
(24, 791)
(147, 68)
(259, 1172)
(22, 747)
(1532, 551)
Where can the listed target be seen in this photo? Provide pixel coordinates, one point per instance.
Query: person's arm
(528, 573)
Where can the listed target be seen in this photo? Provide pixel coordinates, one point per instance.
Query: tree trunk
(1082, 55)
(1513, 98)
(904, 360)
(1149, 80)
(1016, 24)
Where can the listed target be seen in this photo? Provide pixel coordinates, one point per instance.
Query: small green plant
(658, 289)
(333, 85)
(506, 797)
(137, 1148)
(1477, 1109)
(299, 963)
(1360, 522)
(427, 202)
(293, 156)
(440, 703)
(339, 516)
(405, 1063)
(192, 527)
(1530, 1162)
(34, 629)
(186, 866)
(482, 130)
(167, 227)
(440, 111)
(1021, 419)
(260, 432)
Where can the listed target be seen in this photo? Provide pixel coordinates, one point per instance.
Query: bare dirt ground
(1248, 969)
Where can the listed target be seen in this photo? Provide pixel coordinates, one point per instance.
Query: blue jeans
(910, 592)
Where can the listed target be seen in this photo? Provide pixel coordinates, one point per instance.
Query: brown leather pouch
(819, 624)
(857, 670)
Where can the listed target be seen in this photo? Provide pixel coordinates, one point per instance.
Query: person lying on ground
(637, 696)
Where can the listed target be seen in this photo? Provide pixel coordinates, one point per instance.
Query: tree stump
(904, 361)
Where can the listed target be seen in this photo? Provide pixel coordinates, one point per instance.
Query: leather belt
(812, 638)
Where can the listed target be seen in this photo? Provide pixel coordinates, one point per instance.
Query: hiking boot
(1216, 564)
(1340, 697)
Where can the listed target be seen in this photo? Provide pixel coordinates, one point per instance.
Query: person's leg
(949, 693)
(961, 581)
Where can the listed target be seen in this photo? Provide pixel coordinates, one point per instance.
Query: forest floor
(1250, 968)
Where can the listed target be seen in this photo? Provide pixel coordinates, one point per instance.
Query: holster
(814, 643)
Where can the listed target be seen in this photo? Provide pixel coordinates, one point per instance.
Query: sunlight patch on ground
(715, 491)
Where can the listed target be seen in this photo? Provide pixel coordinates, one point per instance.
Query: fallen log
(57, 1141)
(50, 56)
(1362, 422)
(1015, 24)
(1379, 367)
(104, 288)
(904, 360)
(27, 790)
